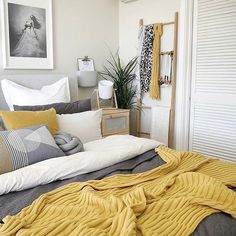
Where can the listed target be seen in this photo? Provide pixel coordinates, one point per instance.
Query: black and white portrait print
(27, 31)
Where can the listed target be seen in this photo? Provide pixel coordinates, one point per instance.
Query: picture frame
(85, 64)
(27, 34)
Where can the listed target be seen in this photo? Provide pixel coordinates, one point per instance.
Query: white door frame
(184, 75)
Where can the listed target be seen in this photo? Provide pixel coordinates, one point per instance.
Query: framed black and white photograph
(85, 64)
(27, 34)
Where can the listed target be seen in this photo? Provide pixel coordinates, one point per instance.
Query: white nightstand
(115, 121)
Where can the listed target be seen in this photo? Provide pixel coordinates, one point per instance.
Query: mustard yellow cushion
(22, 119)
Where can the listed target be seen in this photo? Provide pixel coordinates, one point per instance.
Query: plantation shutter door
(213, 96)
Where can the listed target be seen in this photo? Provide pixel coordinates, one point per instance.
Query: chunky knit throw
(154, 90)
(169, 200)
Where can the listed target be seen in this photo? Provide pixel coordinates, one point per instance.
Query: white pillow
(16, 94)
(85, 125)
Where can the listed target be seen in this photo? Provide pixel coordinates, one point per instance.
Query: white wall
(81, 27)
(151, 11)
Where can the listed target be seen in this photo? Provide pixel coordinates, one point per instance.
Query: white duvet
(97, 155)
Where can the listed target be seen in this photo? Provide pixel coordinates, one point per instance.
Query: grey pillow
(61, 108)
(23, 147)
(68, 144)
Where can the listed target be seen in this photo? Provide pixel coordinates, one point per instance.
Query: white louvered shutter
(213, 97)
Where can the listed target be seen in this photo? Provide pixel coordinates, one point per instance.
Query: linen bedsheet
(98, 154)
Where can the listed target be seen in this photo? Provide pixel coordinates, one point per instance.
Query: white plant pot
(105, 89)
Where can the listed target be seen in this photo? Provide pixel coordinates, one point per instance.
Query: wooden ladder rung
(173, 84)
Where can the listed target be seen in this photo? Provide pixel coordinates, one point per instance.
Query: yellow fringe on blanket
(154, 90)
(169, 200)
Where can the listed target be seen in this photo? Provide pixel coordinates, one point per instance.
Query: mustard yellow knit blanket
(169, 200)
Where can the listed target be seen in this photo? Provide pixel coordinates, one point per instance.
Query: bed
(217, 224)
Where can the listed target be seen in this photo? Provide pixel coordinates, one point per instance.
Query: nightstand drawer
(115, 123)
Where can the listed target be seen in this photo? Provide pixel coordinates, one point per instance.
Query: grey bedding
(218, 224)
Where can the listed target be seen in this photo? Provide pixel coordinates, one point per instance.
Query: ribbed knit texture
(169, 200)
(154, 90)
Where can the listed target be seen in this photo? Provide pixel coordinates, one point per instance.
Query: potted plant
(123, 77)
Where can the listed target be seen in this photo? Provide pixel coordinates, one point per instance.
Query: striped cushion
(23, 147)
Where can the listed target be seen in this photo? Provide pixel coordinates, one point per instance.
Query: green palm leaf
(123, 77)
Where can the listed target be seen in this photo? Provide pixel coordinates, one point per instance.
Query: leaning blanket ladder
(173, 85)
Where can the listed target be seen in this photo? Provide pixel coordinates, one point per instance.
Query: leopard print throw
(146, 58)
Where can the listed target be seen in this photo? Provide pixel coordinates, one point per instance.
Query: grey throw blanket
(68, 144)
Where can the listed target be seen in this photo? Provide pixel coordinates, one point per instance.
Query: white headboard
(36, 82)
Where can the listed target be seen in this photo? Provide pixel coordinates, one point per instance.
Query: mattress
(217, 224)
